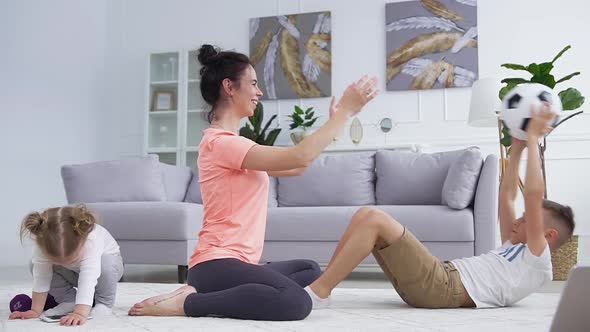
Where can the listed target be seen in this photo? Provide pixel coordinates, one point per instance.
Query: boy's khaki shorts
(421, 279)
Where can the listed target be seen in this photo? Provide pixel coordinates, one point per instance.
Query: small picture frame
(164, 101)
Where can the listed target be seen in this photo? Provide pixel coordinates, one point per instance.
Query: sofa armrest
(485, 210)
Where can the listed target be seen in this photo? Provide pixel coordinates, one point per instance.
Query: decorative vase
(356, 131)
(565, 258)
(298, 136)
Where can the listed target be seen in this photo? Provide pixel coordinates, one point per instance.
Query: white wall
(509, 31)
(52, 112)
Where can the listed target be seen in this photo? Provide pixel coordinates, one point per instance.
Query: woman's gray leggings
(232, 288)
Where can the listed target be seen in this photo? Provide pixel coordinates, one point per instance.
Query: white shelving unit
(174, 133)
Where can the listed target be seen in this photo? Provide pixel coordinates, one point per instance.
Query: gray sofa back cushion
(410, 178)
(150, 221)
(461, 182)
(176, 181)
(193, 194)
(272, 192)
(333, 179)
(138, 179)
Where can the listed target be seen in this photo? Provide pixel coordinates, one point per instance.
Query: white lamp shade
(485, 103)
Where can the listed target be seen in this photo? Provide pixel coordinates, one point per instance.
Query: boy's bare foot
(171, 304)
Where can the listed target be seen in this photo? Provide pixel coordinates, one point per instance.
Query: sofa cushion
(138, 179)
(410, 178)
(176, 181)
(461, 182)
(193, 194)
(272, 192)
(146, 221)
(327, 223)
(333, 179)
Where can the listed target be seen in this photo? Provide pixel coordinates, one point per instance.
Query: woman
(224, 278)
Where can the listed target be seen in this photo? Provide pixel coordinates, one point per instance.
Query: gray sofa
(447, 199)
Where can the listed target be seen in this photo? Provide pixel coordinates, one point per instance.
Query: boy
(499, 278)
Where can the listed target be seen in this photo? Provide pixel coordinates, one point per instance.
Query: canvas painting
(292, 55)
(431, 44)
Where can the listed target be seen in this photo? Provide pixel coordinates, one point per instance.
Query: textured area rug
(351, 310)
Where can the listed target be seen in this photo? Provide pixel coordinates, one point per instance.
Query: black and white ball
(516, 106)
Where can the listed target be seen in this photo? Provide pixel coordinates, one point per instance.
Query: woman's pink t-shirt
(234, 200)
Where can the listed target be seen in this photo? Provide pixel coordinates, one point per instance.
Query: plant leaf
(568, 77)
(506, 89)
(548, 80)
(297, 118)
(506, 138)
(257, 117)
(571, 99)
(267, 125)
(561, 53)
(293, 125)
(310, 123)
(534, 69)
(514, 66)
(298, 110)
(272, 136)
(247, 132)
(545, 68)
(515, 80)
(252, 119)
(309, 115)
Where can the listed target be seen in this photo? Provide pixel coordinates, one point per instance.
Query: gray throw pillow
(272, 192)
(410, 178)
(459, 187)
(176, 180)
(138, 179)
(333, 179)
(193, 193)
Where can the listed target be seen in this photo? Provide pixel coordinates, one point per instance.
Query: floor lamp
(484, 108)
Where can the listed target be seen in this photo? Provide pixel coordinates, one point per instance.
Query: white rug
(351, 310)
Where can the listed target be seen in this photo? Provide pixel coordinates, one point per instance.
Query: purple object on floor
(23, 302)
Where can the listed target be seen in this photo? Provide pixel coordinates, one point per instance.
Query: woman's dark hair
(216, 66)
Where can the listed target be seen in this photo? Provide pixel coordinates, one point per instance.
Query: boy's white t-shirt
(504, 276)
(99, 242)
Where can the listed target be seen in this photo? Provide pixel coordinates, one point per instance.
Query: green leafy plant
(571, 98)
(256, 132)
(302, 118)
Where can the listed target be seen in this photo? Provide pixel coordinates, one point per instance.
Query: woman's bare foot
(171, 304)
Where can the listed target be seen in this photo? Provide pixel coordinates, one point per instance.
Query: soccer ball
(516, 107)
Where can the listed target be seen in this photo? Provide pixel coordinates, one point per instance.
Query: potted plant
(256, 132)
(302, 119)
(566, 257)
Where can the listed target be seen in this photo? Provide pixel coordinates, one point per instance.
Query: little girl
(75, 260)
